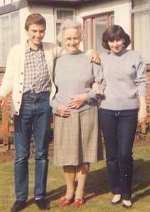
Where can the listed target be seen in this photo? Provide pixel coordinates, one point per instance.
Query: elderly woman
(76, 116)
(123, 105)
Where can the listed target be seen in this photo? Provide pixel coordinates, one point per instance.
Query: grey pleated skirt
(76, 138)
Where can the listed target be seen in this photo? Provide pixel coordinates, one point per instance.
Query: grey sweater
(74, 74)
(125, 79)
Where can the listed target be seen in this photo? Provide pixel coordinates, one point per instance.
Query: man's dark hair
(35, 18)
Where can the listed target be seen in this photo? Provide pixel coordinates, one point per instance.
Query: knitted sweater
(125, 79)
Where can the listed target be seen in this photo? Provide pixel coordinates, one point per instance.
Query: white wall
(121, 9)
(47, 12)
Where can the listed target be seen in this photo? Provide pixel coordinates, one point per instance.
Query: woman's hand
(142, 114)
(63, 111)
(95, 57)
(77, 101)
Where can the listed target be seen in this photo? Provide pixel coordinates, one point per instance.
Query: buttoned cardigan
(13, 79)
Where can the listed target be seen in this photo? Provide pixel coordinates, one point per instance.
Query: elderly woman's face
(71, 40)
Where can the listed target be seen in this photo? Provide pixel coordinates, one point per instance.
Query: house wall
(121, 9)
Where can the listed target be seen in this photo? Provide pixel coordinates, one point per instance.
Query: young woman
(76, 115)
(122, 107)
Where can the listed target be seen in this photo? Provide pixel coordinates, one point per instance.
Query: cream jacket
(14, 76)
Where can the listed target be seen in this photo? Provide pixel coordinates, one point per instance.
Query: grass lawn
(97, 190)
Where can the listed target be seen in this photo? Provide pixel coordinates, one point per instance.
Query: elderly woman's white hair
(67, 24)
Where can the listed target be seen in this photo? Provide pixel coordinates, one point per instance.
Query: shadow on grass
(141, 179)
(97, 183)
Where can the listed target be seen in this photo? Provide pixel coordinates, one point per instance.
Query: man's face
(35, 34)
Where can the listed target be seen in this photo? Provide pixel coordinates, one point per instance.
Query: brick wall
(148, 92)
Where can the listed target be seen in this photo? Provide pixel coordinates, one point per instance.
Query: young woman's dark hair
(114, 32)
(35, 18)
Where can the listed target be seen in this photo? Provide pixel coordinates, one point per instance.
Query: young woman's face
(116, 46)
(71, 40)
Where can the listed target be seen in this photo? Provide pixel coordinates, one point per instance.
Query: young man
(29, 78)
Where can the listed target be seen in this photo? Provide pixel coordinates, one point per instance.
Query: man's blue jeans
(119, 128)
(33, 120)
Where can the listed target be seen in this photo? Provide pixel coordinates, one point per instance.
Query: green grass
(97, 189)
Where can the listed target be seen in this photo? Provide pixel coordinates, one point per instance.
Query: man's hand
(2, 101)
(77, 101)
(63, 111)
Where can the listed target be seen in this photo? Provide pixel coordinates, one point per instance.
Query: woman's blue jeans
(33, 120)
(119, 128)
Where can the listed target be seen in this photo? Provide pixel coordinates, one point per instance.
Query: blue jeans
(119, 128)
(33, 120)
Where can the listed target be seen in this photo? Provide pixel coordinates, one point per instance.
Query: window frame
(136, 10)
(60, 21)
(110, 17)
(10, 35)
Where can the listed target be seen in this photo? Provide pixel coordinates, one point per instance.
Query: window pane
(101, 23)
(7, 1)
(4, 41)
(94, 28)
(9, 34)
(64, 14)
(140, 3)
(15, 29)
(1, 3)
(142, 33)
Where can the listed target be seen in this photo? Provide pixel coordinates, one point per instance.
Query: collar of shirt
(29, 49)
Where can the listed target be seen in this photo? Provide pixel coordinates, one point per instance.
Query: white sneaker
(116, 199)
(127, 203)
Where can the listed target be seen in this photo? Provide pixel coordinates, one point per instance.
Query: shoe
(63, 201)
(126, 203)
(42, 203)
(79, 202)
(116, 199)
(18, 205)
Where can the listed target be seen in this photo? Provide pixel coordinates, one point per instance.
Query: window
(9, 34)
(1, 3)
(94, 27)
(141, 15)
(5, 2)
(61, 14)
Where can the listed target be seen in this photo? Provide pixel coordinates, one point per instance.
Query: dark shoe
(42, 203)
(18, 206)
